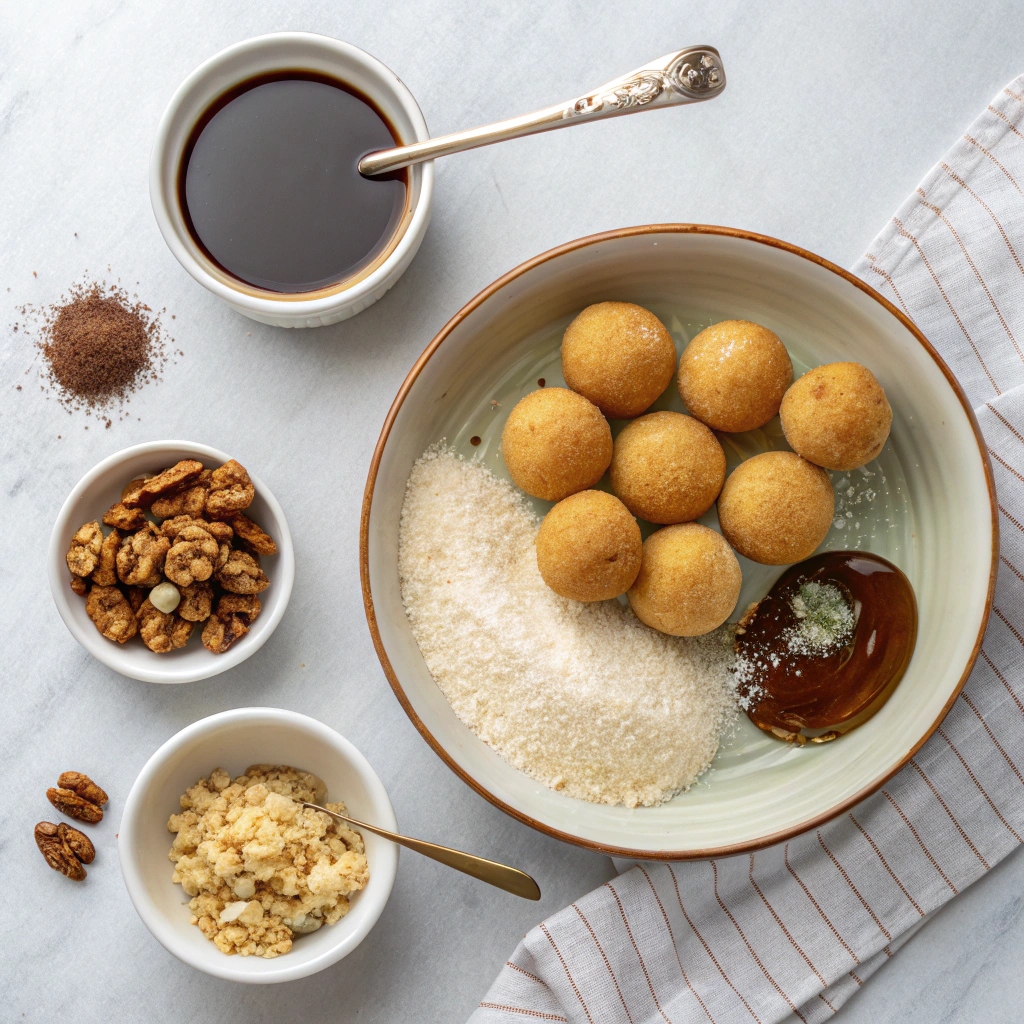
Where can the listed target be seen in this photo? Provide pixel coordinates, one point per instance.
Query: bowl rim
(290, 305)
(364, 536)
(132, 874)
(162, 673)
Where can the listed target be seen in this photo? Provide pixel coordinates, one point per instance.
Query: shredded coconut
(582, 697)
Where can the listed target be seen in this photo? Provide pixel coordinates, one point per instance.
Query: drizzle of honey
(812, 697)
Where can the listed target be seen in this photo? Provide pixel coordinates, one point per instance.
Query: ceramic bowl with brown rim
(927, 504)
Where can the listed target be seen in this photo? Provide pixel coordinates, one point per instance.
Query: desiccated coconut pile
(582, 697)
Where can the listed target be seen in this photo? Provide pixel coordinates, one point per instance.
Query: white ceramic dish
(93, 495)
(929, 508)
(233, 740)
(277, 52)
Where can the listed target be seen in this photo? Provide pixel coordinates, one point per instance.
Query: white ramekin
(92, 496)
(276, 52)
(233, 740)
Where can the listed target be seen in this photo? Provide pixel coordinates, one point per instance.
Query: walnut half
(84, 553)
(111, 613)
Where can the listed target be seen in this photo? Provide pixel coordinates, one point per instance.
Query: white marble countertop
(833, 113)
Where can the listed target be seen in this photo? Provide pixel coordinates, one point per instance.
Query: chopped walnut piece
(173, 526)
(79, 586)
(180, 475)
(193, 556)
(231, 490)
(220, 633)
(140, 560)
(136, 595)
(161, 632)
(241, 574)
(111, 613)
(105, 573)
(84, 553)
(260, 542)
(123, 517)
(188, 502)
(196, 602)
(246, 606)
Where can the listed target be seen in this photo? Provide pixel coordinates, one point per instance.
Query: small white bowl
(99, 489)
(278, 52)
(233, 740)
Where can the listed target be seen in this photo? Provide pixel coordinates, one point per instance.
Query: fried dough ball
(689, 581)
(837, 416)
(618, 355)
(733, 375)
(776, 508)
(556, 443)
(667, 467)
(588, 547)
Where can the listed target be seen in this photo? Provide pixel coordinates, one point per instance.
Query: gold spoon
(510, 879)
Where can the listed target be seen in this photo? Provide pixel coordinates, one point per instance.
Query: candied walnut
(123, 517)
(224, 555)
(105, 573)
(80, 844)
(80, 783)
(111, 613)
(187, 502)
(220, 531)
(180, 475)
(246, 606)
(136, 595)
(260, 542)
(220, 633)
(161, 632)
(192, 557)
(74, 806)
(231, 490)
(84, 554)
(140, 560)
(59, 854)
(241, 574)
(79, 586)
(196, 602)
(132, 491)
(173, 526)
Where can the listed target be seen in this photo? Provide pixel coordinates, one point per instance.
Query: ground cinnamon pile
(99, 346)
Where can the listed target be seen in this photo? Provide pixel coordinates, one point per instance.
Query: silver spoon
(501, 875)
(686, 76)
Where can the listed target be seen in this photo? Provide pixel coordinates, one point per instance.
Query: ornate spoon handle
(686, 76)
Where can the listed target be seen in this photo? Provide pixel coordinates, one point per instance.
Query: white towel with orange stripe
(791, 932)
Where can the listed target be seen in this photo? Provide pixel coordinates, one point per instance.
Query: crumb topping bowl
(235, 740)
(99, 490)
(926, 504)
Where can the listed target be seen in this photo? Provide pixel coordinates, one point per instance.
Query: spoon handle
(510, 879)
(686, 76)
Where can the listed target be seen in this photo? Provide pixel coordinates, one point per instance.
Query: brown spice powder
(99, 345)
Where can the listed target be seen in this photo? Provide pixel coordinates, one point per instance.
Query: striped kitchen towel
(789, 933)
